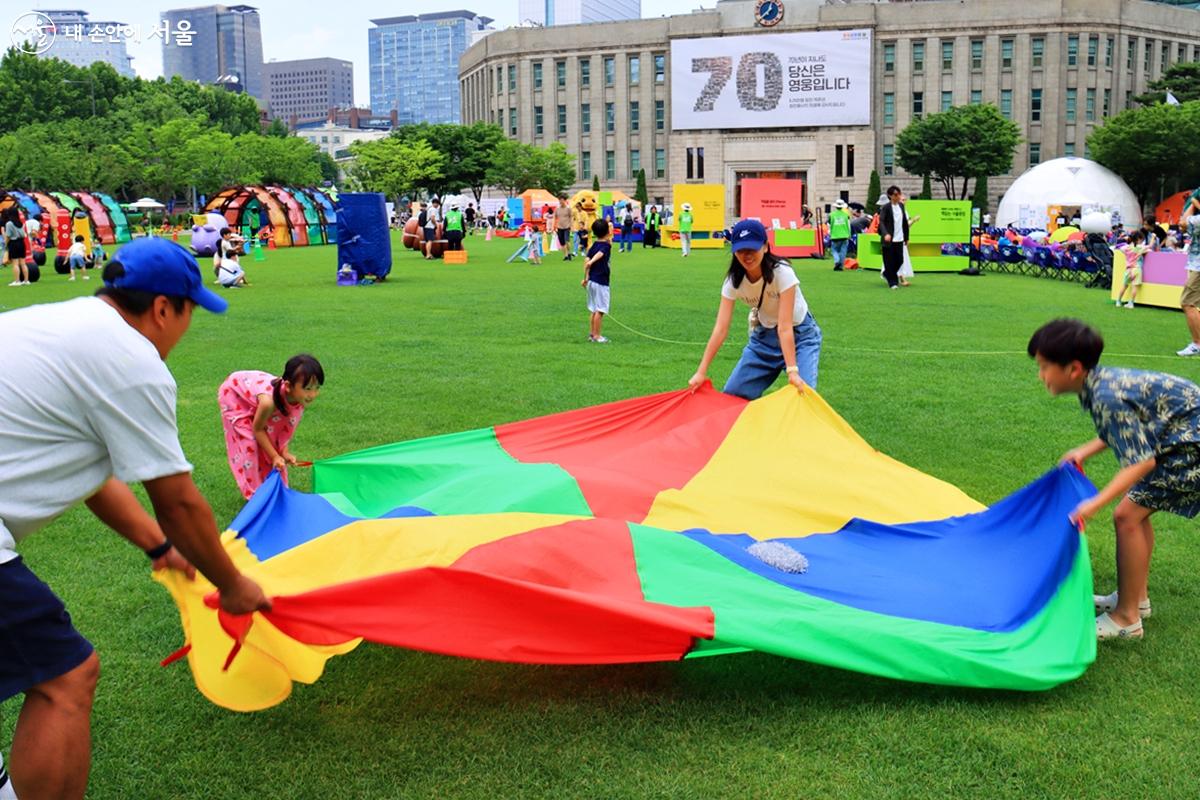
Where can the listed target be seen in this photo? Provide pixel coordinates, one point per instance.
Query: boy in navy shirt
(596, 277)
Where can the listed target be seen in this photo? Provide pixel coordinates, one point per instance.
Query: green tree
(1181, 79)
(1150, 146)
(278, 128)
(980, 198)
(395, 167)
(874, 189)
(468, 150)
(926, 189)
(595, 182)
(510, 169)
(958, 144)
(553, 168)
(639, 193)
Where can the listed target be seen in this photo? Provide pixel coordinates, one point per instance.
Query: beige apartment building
(1058, 68)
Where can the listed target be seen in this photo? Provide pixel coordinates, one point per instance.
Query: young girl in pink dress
(260, 413)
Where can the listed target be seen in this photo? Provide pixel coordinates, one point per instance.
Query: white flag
(1172, 100)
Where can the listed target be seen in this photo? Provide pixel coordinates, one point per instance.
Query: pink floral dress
(238, 397)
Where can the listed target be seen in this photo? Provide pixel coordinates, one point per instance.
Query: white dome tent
(1076, 183)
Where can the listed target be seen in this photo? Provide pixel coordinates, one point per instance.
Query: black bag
(422, 218)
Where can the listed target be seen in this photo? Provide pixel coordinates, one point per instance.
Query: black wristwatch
(158, 552)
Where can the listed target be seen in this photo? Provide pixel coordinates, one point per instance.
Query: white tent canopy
(1067, 182)
(146, 203)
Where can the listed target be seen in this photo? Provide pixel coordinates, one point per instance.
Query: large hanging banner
(771, 80)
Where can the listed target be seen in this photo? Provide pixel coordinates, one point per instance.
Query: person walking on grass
(597, 278)
(685, 229)
(1189, 300)
(1151, 422)
(893, 233)
(784, 337)
(626, 229)
(89, 408)
(16, 244)
(839, 234)
(562, 227)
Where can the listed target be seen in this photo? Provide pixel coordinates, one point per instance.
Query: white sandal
(1108, 602)
(1106, 628)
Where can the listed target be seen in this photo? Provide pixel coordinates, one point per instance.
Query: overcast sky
(292, 29)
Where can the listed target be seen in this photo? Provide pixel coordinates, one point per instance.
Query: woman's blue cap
(160, 266)
(749, 234)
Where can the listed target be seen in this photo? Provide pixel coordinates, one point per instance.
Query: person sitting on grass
(260, 413)
(77, 258)
(596, 277)
(1135, 250)
(230, 273)
(1151, 421)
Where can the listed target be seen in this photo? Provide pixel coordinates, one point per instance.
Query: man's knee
(74, 689)
(1127, 518)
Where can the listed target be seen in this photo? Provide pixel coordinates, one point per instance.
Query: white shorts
(229, 275)
(598, 295)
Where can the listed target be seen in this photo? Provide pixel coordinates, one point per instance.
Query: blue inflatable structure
(363, 239)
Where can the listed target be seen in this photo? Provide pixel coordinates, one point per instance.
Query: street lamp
(91, 90)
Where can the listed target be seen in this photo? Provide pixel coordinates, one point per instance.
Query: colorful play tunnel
(104, 215)
(291, 217)
(658, 528)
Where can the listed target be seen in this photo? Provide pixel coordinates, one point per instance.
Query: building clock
(768, 13)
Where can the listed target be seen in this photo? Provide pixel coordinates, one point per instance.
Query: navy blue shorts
(37, 640)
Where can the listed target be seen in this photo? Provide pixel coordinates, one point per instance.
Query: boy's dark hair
(600, 228)
(300, 370)
(78, 237)
(225, 231)
(1065, 340)
(891, 190)
(130, 300)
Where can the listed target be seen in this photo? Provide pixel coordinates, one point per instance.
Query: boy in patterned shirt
(1151, 421)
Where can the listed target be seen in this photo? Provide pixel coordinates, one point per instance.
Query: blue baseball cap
(749, 234)
(160, 266)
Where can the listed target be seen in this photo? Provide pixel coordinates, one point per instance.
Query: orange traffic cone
(271, 243)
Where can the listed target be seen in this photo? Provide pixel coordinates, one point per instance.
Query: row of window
(633, 71)
(1037, 53)
(1006, 104)
(585, 118)
(635, 164)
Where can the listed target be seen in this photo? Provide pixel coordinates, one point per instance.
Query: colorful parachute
(635, 531)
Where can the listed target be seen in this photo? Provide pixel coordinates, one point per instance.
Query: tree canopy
(1182, 80)
(961, 143)
(1150, 146)
(157, 138)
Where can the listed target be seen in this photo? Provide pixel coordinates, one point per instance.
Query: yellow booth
(708, 215)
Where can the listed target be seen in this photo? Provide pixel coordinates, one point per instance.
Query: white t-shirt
(768, 316)
(1193, 249)
(85, 397)
(897, 223)
(33, 227)
(77, 249)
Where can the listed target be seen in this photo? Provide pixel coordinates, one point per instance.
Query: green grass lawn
(934, 375)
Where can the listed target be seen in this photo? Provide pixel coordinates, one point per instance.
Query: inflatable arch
(295, 214)
(234, 202)
(23, 201)
(312, 215)
(324, 204)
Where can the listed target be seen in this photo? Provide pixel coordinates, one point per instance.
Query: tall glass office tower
(576, 12)
(414, 64)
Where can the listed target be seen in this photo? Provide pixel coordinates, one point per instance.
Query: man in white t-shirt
(89, 407)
